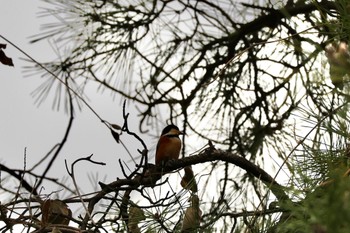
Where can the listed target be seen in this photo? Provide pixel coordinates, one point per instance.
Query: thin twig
(65, 137)
(72, 175)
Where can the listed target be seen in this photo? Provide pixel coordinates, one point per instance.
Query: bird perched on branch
(169, 145)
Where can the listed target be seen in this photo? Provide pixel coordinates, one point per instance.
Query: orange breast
(167, 148)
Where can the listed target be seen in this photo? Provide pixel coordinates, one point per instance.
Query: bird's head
(171, 130)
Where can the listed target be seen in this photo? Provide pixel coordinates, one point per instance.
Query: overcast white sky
(24, 125)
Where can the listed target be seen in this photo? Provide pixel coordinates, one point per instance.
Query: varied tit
(169, 145)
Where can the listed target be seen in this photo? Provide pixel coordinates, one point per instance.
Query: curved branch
(69, 126)
(156, 172)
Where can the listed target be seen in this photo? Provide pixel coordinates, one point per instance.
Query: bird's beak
(180, 132)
